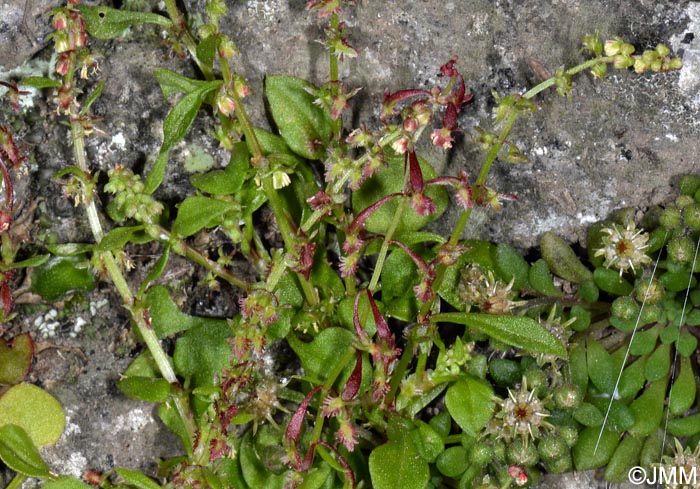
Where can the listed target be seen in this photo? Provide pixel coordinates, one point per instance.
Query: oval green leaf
(36, 411)
(398, 464)
(19, 452)
(305, 126)
(470, 403)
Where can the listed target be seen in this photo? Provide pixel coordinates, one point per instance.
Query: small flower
(347, 435)
(523, 413)
(423, 204)
(518, 474)
(624, 248)
(442, 137)
(332, 406)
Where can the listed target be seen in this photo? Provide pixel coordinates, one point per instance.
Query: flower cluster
(624, 248)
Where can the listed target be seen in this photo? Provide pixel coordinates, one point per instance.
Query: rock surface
(620, 142)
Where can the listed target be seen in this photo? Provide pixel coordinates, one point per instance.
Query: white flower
(624, 248)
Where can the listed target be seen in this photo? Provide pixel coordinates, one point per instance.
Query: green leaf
(171, 418)
(15, 359)
(470, 403)
(157, 173)
(625, 457)
(34, 410)
(171, 82)
(70, 249)
(321, 355)
(590, 454)
(453, 461)
(682, 395)
(19, 452)
(40, 82)
(206, 49)
(144, 388)
(688, 426)
(92, 97)
(255, 473)
(180, 117)
(648, 409)
(632, 379)
(167, 319)
(60, 275)
(34, 261)
(600, 367)
(391, 180)
(562, 260)
(540, 279)
(229, 180)
(427, 441)
(645, 341)
(686, 343)
(398, 464)
(108, 23)
(578, 367)
(197, 212)
(305, 126)
(155, 272)
(610, 281)
(117, 238)
(66, 482)
(398, 274)
(519, 331)
(588, 415)
(510, 265)
(659, 363)
(203, 352)
(137, 479)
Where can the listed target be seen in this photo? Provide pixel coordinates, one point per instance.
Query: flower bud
(225, 102)
(521, 453)
(552, 448)
(227, 49)
(670, 218)
(625, 308)
(680, 249)
(568, 396)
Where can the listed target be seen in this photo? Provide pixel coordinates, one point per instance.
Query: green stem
(180, 24)
(397, 375)
(334, 78)
(107, 258)
(182, 248)
(400, 209)
(17, 481)
(327, 385)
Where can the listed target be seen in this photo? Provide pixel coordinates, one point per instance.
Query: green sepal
(108, 23)
(20, 454)
(305, 126)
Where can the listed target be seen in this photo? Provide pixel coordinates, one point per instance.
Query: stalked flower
(624, 249)
(442, 137)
